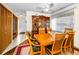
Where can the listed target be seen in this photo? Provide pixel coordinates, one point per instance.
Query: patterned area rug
(22, 49)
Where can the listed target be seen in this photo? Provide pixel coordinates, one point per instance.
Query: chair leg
(68, 49)
(71, 48)
(29, 52)
(62, 51)
(72, 51)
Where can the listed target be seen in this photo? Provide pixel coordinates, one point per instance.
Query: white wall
(29, 18)
(76, 26)
(53, 23)
(22, 23)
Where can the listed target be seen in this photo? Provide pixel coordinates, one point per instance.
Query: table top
(44, 39)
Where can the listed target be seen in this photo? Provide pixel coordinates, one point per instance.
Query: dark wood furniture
(71, 34)
(35, 48)
(39, 22)
(34, 32)
(44, 40)
(69, 45)
(6, 27)
(55, 48)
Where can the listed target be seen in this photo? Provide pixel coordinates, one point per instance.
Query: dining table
(44, 40)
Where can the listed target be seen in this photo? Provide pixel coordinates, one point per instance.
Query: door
(6, 27)
(15, 26)
(9, 21)
(0, 28)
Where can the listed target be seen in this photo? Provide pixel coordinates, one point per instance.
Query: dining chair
(55, 48)
(42, 30)
(68, 30)
(68, 44)
(35, 48)
(49, 30)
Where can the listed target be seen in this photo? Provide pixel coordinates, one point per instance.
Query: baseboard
(10, 52)
(22, 33)
(14, 34)
(77, 49)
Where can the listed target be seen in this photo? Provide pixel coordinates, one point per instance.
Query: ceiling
(23, 7)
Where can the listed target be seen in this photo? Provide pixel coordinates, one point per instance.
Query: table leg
(42, 50)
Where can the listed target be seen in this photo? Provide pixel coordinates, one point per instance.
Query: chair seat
(35, 42)
(36, 48)
(49, 47)
(52, 52)
(56, 52)
(66, 46)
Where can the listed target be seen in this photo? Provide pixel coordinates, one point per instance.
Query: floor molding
(22, 33)
(10, 52)
(77, 49)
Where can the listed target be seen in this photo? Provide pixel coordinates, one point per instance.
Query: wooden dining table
(44, 40)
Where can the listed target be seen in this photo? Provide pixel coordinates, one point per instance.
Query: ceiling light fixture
(46, 7)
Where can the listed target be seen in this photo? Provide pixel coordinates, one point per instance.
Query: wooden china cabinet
(39, 22)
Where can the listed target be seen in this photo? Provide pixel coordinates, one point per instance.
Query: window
(53, 23)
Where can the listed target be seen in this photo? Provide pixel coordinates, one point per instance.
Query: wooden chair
(42, 30)
(56, 47)
(35, 47)
(68, 30)
(68, 46)
(49, 30)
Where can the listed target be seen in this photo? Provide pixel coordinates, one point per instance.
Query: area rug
(22, 49)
